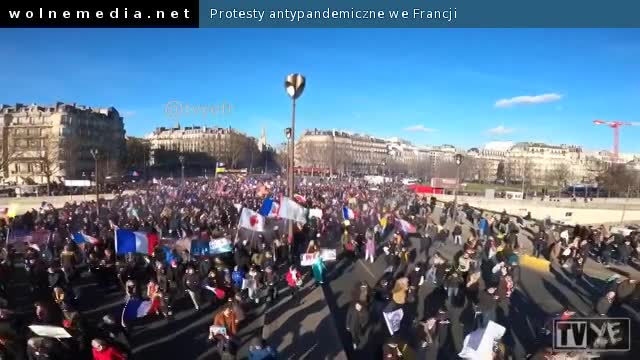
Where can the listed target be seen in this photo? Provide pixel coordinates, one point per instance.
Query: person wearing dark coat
(56, 278)
(604, 304)
(487, 306)
(192, 286)
(175, 272)
(625, 289)
(357, 319)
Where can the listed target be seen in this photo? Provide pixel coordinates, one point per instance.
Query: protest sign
(50, 331)
(328, 254)
(307, 259)
(218, 330)
(220, 246)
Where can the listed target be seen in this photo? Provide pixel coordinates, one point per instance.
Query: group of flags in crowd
(128, 241)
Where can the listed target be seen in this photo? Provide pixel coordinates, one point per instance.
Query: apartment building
(50, 144)
(223, 144)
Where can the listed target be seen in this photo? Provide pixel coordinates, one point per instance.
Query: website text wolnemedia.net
(118, 13)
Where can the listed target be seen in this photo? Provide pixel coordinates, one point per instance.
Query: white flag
(289, 209)
(393, 320)
(251, 220)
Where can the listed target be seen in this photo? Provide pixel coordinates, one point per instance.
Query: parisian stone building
(226, 145)
(333, 151)
(49, 144)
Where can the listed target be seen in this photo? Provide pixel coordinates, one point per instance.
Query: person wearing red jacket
(294, 280)
(103, 351)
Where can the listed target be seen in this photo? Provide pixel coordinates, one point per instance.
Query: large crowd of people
(366, 222)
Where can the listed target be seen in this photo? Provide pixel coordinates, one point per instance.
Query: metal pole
(97, 186)
(523, 181)
(624, 208)
(292, 162)
(182, 172)
(455, 190)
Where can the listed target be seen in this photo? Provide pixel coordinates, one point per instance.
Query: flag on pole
(291, 210)
(80, 238)
(393, 320)
(136, 308)
(406, 227)
(347, 213)
(128, 241)
(269, 208)
(251, 220)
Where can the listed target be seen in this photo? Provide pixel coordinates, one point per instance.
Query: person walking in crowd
(357, 320)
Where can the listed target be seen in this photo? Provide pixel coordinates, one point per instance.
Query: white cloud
(419, 128)
(128, 113)
(528, 100)
(500, 130)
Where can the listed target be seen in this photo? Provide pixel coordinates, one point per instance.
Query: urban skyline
(427, 86)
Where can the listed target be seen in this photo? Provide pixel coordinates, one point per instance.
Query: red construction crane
(615, 125)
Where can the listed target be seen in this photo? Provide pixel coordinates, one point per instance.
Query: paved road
(540, 292)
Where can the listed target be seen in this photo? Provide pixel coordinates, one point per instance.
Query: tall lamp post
(458, 158)
(181, 159)
(294, 85)
(94, 153)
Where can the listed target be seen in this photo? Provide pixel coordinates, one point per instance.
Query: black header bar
(99, 13)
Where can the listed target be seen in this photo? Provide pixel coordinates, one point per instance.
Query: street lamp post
(181, 159)
(294, 85)
(84, 190)
(458, 158)
(94, 153)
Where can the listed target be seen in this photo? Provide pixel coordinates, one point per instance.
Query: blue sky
(430, 86)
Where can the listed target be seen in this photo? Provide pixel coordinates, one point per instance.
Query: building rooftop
(57, 107)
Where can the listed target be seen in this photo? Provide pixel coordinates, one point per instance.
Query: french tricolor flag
(348, 213)
(80, 238)
(128, 241)
(269, 208)
(136, 308)
(405, 226)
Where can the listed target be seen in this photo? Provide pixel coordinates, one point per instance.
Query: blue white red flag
(269, 208)
(136, 308)
(347, 213)
(405, 226)
(80, 238)
(128, 241)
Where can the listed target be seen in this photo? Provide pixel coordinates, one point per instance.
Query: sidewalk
(304, 331)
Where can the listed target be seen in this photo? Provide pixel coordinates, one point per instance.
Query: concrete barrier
(541, 210)
(20, 206)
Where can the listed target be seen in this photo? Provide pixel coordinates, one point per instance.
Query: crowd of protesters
(484, 272)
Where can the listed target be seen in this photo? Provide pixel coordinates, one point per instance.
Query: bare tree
(617, 179)
(237, 149)
(282, 156)
(137, 154)
(484, 168)
(559, 176)
(55, 155)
